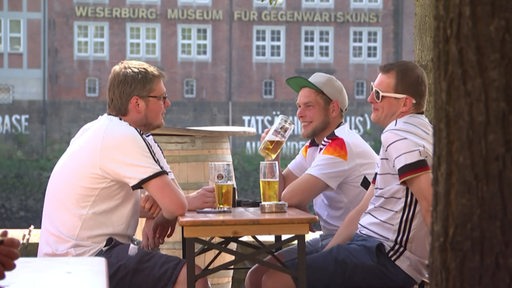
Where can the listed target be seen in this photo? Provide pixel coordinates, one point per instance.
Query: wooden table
(56, 272)
(216, 231)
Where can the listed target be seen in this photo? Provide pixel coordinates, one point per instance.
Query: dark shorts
(361, 262)
(144, 269)
(313, 245)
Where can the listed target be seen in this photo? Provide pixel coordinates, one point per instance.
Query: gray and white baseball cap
(324, 83)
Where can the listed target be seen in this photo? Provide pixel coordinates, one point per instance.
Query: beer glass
(222, 178)
(278, 134)
(269, 181)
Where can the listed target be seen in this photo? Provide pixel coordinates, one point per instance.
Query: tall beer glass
(269, 181)
(278, 134)
(222, 177)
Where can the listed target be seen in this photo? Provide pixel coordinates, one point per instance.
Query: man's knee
(182, 278)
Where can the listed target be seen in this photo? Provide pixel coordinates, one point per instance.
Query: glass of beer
(222, 178)
(277, 135)
(269, 181)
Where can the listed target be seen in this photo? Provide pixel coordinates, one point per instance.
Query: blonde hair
(127, 79)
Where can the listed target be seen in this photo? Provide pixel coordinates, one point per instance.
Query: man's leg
(276, 279)
(181, 282)
(360, 263)
(255, 275)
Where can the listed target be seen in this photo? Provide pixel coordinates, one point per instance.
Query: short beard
(317, 130)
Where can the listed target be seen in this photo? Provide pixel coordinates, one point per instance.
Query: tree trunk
(472, 212)
(424, 44)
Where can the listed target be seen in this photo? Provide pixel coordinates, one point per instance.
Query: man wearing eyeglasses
(384, 241)
(93, 199)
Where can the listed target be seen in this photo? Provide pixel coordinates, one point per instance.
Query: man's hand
(202, 198)
(156, 230)
(9, 252)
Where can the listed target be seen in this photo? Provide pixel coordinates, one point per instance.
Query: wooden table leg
(301, 261)
(190, 257)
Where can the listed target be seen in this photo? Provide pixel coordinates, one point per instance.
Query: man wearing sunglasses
(384, 241)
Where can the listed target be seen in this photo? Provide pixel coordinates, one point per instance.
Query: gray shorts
(144, 269)
(362, 262)
(313, 245)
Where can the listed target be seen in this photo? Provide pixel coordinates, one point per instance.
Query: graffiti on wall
(14, 124)
(358, 123)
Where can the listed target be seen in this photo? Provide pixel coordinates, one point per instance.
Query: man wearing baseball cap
(332, 170)
(323, 83)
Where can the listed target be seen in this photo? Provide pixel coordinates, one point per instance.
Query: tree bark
(424, 44)
(472, 211)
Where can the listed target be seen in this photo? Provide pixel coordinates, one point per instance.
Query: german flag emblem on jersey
(336, 147)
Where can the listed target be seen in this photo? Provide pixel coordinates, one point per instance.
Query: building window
(269, 44)
(143, 41)
(1, 35)
(91, 1)
(91, 40)
(189, 88)
(195, 2)
(268, 89)
(366, 4)
(318, 3)
(143, 1)
(266, 3)
(360, 89)
(365, 45)
(92, 87)
(317, 44)
(14, 37)
(194, 42)
(6, 93)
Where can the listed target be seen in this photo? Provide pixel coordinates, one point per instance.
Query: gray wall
(33, 128)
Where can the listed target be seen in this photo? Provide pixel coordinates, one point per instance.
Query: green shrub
(22, 187)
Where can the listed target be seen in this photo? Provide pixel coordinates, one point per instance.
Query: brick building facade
(226, 60)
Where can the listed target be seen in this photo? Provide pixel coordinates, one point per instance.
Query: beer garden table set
(215, 229)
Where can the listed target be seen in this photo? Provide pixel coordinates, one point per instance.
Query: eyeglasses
(162, 97)
(377, 94)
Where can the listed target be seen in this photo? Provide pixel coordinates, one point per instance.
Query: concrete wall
(35, 127)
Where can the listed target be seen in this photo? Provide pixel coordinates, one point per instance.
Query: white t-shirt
(393, 215)
(93, 191)
(342, 160)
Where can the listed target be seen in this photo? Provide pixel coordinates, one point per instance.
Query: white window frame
(195, 2)
(317, 44)
(194, 42)
(266, 4)
(189, 84)
(91, 40)
(91, 1)
(143, 2)
(366, 44)
(360, 89)
(268, 85)
(1, 35)
(368, 4)
(143, 41)
(11, 36)
(269, 44)
(318, 4)
(92, 83)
